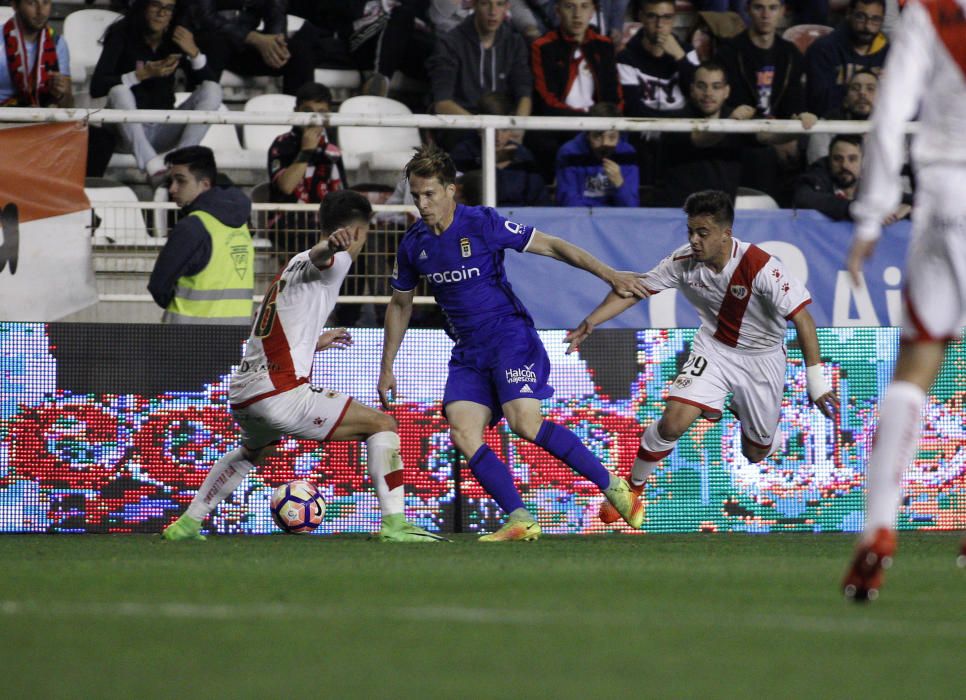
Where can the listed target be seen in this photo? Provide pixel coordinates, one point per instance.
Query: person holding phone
(142, 52)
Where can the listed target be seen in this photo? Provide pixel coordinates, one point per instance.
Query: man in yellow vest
(205, 272)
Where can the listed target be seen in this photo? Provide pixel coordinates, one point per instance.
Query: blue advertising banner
(812, 247)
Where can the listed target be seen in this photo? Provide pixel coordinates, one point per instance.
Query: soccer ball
(298, 507)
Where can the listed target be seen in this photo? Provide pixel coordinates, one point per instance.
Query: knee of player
(668, 432)
(383, 422)
(753, 454)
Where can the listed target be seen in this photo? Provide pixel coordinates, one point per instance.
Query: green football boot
(184, 528)
(395, 528)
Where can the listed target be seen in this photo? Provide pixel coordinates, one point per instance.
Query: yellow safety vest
(222, 291)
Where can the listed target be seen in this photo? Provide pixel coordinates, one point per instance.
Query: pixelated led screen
(111, 428)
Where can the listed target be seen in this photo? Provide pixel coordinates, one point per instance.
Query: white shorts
(306, 412)
(935, 292)
(756, 378)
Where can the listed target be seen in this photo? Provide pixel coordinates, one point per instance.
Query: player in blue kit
(499, 366)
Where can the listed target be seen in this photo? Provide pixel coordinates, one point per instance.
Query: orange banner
(42, 169)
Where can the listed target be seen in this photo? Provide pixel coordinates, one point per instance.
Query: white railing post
(489, 166)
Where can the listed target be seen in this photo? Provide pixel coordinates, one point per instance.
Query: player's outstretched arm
(625, 284)
(398, 313)
(819, 390)
(611, 306)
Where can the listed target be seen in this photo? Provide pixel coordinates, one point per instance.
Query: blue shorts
(508, 364)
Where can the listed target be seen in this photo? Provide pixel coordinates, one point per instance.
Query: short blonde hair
(432, 161)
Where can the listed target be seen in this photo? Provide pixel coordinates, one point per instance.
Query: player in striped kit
(925, 74)
(270, 394)
(745, 298)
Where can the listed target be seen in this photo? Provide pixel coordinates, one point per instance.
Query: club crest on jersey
(739, 290)
(465, 249)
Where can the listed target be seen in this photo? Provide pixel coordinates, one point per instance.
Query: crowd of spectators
(514, 57)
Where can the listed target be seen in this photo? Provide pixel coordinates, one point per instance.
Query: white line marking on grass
(825, 624)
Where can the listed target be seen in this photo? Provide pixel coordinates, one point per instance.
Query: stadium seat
(341, 81)
(6, 13)
(83, 30)
(802, 35)
(748, 198)
(258, 137)
(376, 149)
(116, 226)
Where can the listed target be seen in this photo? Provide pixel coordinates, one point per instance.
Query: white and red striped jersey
(925, 74)
(279, 352)
(746, 305)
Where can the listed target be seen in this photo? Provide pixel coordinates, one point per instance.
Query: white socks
(386, 470)
(654, 448)
(894, 447)
(224, 477)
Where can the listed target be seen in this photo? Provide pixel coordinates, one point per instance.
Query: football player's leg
(223, 478)
(758, 388)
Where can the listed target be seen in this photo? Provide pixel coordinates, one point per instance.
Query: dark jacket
(517, 185)
(829, 64)
(689, 168)
(460, 70)
(770, 80)
(653, 85)
(121, 54)
(188, 248)
(555, 69)
(816, 190)
(235, 18)
(581, 181)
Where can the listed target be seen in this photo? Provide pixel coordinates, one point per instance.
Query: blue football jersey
(464, 267)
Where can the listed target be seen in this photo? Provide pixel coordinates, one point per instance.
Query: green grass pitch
(657, 616)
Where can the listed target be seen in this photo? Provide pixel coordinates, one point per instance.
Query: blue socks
(495, 477)
(568, 448)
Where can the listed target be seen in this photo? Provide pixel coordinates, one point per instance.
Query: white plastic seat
(117, 226)
(376, 148)
(6, 12)
(221, 138)
(259, 137)
(83, 30)
(748, 198)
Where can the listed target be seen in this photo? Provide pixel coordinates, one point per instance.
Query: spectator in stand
(518, 182)
(205, 273)
(702, 160)
(136, 70)
(25, 80)
(829, 185)
(654, 67)
(574, 67)
(598, 168)
(534, 18)
(483, 54)
(764, 70)
(858, 103)
(303, 166)
(229, 34)
(832, 59)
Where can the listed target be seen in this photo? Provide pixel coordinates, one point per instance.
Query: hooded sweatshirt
(461, 70)
(188, 249)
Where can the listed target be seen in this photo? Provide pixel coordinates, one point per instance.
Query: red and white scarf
(31, 83)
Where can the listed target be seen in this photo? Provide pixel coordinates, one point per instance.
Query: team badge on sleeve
(514, 227)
